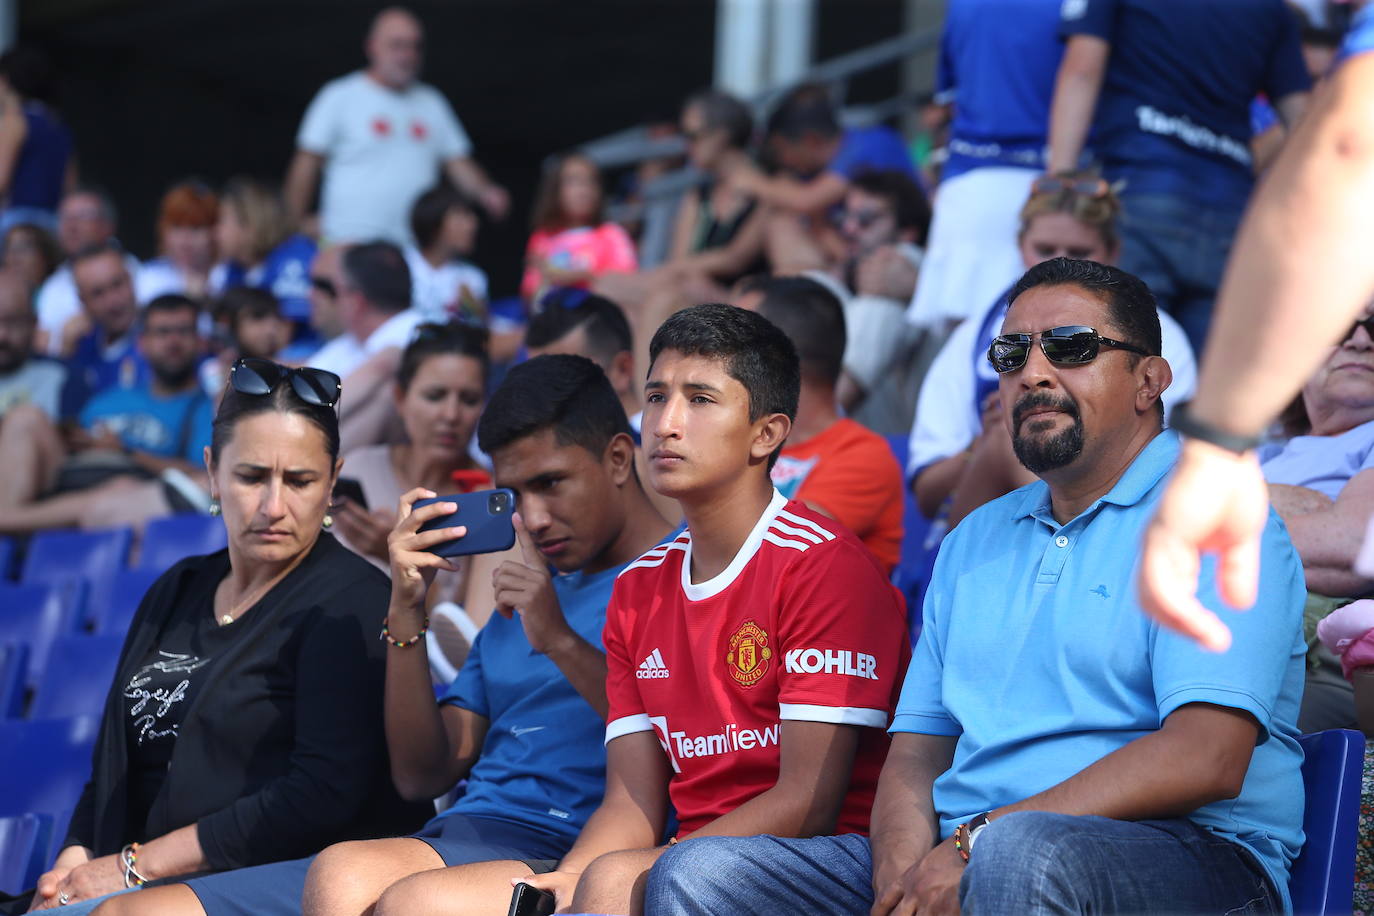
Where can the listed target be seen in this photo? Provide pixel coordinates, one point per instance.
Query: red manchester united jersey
(801, 625)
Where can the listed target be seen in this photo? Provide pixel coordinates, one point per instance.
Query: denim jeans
(1024, 863)
(1179, 248)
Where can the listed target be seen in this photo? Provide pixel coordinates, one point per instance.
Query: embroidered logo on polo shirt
(1100, 591)
(749, 654)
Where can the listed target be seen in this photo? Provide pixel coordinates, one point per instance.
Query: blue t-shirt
(41, 170)
(1174, 113)
(1036, 655)
(998, 61)
(543, 763)
(94, 367)
(173, 427)
(871, 149)
(1321, 463)
(1360, 38)
(285, 273)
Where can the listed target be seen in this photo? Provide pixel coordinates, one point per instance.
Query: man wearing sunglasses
(1053, 751)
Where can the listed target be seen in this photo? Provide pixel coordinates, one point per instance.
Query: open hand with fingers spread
(526, 586)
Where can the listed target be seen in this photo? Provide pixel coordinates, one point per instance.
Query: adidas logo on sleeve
(652, 668)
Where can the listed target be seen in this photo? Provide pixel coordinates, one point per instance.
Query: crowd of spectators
(689, 685)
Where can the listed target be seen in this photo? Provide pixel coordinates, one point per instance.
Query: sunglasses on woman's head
(262, 376)
(1087, 187)
(1073, 345)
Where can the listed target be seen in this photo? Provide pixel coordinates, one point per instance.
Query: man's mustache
(1038, 401)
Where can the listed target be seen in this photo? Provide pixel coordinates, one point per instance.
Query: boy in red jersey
(755, 660)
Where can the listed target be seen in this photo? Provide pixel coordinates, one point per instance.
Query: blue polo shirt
(1174, 113)
(1036, 655)
(543, 763)
(998, 61)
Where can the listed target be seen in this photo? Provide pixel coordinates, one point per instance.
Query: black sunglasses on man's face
(1073, 345)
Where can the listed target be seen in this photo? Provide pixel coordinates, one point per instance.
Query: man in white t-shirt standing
(381, 138)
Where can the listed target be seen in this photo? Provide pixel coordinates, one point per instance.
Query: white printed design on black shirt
(152, 709)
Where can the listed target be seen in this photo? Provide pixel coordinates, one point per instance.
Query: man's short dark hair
(908, 202)
(430, 208)
(566, 310)
(378, 270)
(1130, 304)
(812, 318)
(755, 352)
(808, 109)
(569, 395)
(95, 250)
(108, 210)
(167, 302)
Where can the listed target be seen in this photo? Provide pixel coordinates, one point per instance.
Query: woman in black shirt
(244, 725)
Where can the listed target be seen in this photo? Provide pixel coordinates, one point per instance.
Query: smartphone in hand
(487, 516)
(528, 900)
(351, 488)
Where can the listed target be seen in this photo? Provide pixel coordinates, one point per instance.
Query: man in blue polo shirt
(523, 722)
(1166, 87)
(1054, 751)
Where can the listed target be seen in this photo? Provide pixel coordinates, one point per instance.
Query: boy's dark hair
(566, 309)
(567, 394)
(812, 318)
(378, 270)
(430, 208)
(167, 302)
(808, 109)
(95, 250)
(242, 302)
(455, 338)
(909, 203)
(722, 110)
(755, 352)
(1130, 304)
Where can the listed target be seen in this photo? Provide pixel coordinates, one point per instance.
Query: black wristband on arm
(1184, 423)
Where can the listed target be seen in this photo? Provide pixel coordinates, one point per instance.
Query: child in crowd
(443, 284)
(572, 243)
(252, 323)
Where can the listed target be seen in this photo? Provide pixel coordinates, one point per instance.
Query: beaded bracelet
(129, 855)
(960, 844)
(403, 643)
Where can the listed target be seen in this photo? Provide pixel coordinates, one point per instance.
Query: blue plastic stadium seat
(112, 603)
(6, 558)
(1322, 879)
(59, 556)
(35, 615)
(44, 764)
(77, 679)
(14, 662)
(24, 843)
(167, 540)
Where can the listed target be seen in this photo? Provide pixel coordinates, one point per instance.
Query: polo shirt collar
(1154, 461)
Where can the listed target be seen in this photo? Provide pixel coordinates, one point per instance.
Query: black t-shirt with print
(156, 698)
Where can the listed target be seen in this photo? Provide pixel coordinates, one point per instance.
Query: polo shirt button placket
(1061, 541)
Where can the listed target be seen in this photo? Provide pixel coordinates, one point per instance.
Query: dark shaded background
(157, 90)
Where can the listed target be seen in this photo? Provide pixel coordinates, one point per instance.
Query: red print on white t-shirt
(418, 130)
(381, 127)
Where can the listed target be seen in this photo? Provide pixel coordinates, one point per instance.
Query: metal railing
(658, 199)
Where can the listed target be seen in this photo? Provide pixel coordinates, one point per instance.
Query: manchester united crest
(749, 654)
